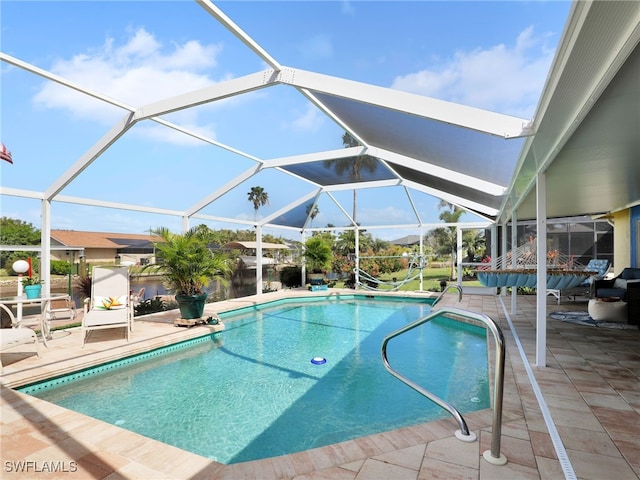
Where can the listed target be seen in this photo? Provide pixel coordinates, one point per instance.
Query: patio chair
(16, 336)
(62, 308)
(600, 266)
(110, 304)
(138, 297)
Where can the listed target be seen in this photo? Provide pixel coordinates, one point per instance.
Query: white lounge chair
(61, 308)
(110, 305)
(13, 337)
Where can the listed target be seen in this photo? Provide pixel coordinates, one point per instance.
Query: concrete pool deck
(591, 387)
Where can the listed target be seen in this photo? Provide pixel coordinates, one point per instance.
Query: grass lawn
(431, 280)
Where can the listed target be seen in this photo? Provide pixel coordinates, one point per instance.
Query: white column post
(504, 249)
(258, 260)
(45, 246)
(541, 248)
(422, 260)
(514, 260)
(459, 253)
(303, 270)
(357, 257)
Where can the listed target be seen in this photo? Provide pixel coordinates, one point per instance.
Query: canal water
(152, 287)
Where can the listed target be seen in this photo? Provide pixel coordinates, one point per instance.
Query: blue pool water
(252, 391)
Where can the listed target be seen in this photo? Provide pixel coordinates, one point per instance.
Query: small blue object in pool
(318, 360)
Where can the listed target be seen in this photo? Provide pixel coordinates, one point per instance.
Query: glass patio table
(44, 300)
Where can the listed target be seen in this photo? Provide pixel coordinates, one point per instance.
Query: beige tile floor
(590, 386)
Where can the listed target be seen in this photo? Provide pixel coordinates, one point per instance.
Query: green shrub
(151, 305)
(290, 277)
(60, 267)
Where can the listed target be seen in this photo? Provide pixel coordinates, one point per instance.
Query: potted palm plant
(317, 254)
(188, 266)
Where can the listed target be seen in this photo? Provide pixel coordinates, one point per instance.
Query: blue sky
(492, 55)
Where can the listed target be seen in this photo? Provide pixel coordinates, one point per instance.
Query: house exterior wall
(621, 243)
(635, 236)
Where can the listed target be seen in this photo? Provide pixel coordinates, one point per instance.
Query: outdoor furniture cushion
(618, 286)
(13, 337)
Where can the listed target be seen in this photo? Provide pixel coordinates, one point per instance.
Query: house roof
(73, 238)
(254, 245)
(407, 240)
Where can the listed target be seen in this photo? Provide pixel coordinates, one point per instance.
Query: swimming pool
(252, 391)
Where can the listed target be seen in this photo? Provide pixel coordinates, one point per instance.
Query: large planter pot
(32, 291)
(315, 278)
(191, 306)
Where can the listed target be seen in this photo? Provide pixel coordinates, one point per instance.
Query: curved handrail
(457, 287)
(494, 454)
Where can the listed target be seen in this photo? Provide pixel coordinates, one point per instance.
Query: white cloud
(159, 133)
(309, 121)
(502, 78)
(136, 73)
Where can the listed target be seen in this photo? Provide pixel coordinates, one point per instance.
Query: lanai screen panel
(296, 217)
(444, 185)
(473, 153)
(341, 171)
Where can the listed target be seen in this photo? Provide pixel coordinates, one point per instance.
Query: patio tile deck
(591, 386)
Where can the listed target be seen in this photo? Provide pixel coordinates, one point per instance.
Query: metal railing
(492, 456)
(456, 287)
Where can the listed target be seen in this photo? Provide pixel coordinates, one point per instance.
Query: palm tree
(353, 167)
(474, 242)
(345, 245)
(317, 253)
(446, 237)
(258, 197)
(187, 264)
(312, 212)
(378, 245)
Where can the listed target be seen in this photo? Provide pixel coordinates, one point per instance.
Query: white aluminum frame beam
(117, 131)
(315, 157)
(440, 172)
(90, 202)
(212, 93)
(239, 33)
(222, 190)
(265, 221)
(477, 119)
(453, 199)
(62, 81)
(362, 185)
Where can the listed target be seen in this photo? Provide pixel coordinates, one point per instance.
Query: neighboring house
(273, 253)
(103, 247)
(408, 241)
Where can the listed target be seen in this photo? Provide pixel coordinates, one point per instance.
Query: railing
(457, 287)
(493, 456)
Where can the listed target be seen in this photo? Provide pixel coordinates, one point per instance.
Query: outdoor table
(44, 300)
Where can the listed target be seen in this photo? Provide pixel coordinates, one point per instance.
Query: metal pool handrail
(457, 287)
(493, 456)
